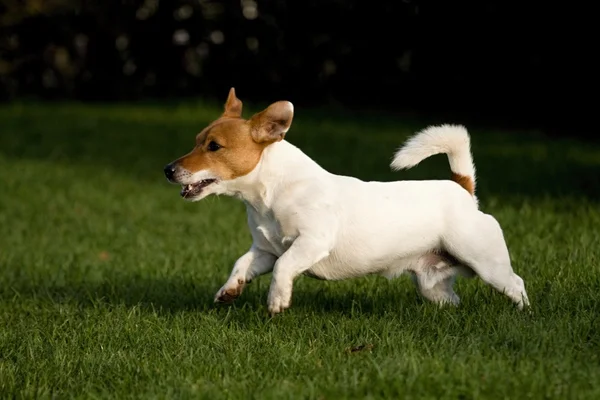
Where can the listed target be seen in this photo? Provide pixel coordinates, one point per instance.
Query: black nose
(169, 171)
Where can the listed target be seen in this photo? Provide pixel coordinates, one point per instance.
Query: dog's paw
(277, 306)
(228, 293)
(278, 301)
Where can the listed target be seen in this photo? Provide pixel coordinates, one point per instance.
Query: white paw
(524, 303)
(279, 300)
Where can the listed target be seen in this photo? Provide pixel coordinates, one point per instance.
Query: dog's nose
(169, 171)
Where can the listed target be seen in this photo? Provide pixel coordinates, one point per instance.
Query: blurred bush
(485, 55)
(134, 48)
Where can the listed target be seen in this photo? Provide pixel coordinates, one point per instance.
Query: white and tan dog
(306, 220)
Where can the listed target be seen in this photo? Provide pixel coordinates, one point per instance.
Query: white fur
(186, 178)
(306, 220)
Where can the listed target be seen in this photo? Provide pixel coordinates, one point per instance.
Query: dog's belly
(336, 268)
(329, 269)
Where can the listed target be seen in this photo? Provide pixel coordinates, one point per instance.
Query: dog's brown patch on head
(225, 148)
(231, 147)
(465, 181)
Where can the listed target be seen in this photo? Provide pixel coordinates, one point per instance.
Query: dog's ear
(271, 124)
(233, 105)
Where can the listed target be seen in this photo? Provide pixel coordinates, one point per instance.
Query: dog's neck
(281, 163)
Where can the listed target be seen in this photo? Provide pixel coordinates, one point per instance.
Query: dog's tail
(452, 140)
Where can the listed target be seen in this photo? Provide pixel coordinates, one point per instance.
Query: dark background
(522, 64)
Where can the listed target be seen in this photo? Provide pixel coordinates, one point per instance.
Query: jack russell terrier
(306, 220)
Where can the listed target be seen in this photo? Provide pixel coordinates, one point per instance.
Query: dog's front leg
(254, 263)
(302, 255)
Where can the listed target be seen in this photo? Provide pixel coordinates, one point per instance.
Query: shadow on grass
(168, 295)
(175, 295)
(172, 296)
(138, 141)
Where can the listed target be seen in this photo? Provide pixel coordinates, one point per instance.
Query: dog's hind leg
(434, 276)
(478, 242)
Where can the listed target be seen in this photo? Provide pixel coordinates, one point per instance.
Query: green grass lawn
(107, 277)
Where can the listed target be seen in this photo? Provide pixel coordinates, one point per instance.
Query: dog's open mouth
(194, 189)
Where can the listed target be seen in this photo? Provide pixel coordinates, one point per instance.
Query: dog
(305, 220)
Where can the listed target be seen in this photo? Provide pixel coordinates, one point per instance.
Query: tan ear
(233, 105)
(271, 124)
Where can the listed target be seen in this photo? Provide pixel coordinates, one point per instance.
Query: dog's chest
(270, 233)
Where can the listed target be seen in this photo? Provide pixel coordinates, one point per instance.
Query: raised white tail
(452, 140)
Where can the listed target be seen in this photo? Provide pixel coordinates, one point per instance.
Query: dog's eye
(213, 146)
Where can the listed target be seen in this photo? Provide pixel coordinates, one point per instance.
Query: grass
(107, 277)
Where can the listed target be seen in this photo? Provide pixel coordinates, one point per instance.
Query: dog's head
(228, 148)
